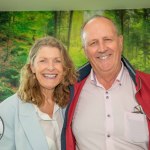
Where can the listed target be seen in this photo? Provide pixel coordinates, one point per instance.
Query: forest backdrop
(19, 30)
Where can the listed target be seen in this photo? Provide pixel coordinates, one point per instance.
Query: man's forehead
(99, 27)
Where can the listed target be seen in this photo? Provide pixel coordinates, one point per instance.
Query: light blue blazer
(22, 130)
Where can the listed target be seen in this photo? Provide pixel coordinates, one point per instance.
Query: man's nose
(102, 47)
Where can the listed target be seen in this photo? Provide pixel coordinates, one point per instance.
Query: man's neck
(107, 78)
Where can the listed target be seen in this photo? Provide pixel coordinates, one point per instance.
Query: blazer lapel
(31, 126)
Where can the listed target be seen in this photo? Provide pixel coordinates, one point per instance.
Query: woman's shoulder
(9, 105)
(12, 100)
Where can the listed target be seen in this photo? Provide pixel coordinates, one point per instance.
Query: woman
(33, 116)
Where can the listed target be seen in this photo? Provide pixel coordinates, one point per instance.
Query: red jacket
(142, 83)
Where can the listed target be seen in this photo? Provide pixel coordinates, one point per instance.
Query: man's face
(102, 45)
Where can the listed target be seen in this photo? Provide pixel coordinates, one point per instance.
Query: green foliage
(5, 92)
(19, 30)
(78, 57)
(11, 76)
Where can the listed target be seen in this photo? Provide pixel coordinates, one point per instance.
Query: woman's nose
(51, 66)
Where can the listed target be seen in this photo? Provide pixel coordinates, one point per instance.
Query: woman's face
(48, 67)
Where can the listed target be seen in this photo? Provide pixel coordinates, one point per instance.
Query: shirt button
(108, 135)
(107, 97)
(108, 115)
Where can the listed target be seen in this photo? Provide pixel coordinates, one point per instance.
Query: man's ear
(85, 52)
(121, 42)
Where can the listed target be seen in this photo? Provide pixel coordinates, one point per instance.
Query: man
(110, 104)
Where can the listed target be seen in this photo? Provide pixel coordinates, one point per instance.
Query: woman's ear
(32, 68)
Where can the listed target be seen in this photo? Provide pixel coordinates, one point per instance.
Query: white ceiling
(48, 5)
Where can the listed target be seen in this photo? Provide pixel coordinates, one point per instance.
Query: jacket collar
(31, 126)
(130, 69)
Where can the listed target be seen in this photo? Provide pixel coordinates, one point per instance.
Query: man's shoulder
(142, 74)
(144, 78)
(84, 71)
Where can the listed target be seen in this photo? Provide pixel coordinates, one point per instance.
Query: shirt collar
(45, 116)
(120, 75)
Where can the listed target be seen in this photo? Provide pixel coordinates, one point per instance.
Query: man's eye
(108, 39)
(93, 43)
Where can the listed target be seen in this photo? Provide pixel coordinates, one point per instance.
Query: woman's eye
(42, 60)
(58, 61)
